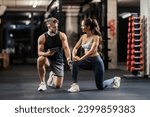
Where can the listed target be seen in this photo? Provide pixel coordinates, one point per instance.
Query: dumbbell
(129, 19)
(136, 35)
(135, 24)
(129, 35)
(136, 29)
(139, 69)
(136, 46)
(136, 40)
(133, 57)
(136, 51)
(129, 57)
(137, 63)
(135, 18)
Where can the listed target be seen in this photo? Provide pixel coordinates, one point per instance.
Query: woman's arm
(75, 49)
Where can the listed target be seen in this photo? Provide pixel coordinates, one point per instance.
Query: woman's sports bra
(87, 46)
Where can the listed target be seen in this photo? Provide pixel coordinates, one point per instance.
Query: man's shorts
(57, 68)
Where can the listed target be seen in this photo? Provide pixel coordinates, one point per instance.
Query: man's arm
(41, 41)
(65, 45)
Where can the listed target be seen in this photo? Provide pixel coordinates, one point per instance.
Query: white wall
(145, 12)
(71, 23)
(71, 28)
(112, 44)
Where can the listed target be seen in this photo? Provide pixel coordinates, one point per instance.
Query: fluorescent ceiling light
(2, 9)
(125, 15)
(35, 4)
(94, 1)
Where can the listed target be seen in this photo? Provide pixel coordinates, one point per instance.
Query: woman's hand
(76, 58)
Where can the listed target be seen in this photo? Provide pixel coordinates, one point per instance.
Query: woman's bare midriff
(94, 54)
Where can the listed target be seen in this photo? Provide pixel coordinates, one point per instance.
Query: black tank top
(52, 42)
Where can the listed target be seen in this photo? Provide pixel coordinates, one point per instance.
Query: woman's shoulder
(84, 35)
(96, 36)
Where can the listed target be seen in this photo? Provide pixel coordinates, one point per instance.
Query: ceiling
(14, 5)
(26, 6)
(24, 10)
(129, 3)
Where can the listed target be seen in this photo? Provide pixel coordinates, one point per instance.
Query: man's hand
(69, 61)
(49, 53)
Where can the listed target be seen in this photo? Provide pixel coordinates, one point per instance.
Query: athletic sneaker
(50, 79)
(74, 88)
(42, 87)
(116, 83)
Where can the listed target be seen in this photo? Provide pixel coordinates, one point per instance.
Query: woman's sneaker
(74, 88)
(117, 81)
(42, 87)
(50, 79)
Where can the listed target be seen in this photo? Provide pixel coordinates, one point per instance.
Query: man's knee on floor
(57, 86)
(59, 82)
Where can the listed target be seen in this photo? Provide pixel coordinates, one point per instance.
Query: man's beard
(54, 32)
(51, 32)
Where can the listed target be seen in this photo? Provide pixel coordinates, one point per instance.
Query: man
(50, 53)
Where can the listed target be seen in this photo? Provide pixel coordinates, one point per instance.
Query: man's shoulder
(42, 37)
(62, 34)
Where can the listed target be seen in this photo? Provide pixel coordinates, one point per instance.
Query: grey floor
(20, 82)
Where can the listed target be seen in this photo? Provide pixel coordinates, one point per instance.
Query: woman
(91, 60)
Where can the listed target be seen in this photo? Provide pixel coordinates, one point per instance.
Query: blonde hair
(51, 20)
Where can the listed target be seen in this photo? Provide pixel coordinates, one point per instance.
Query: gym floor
(20, 82)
